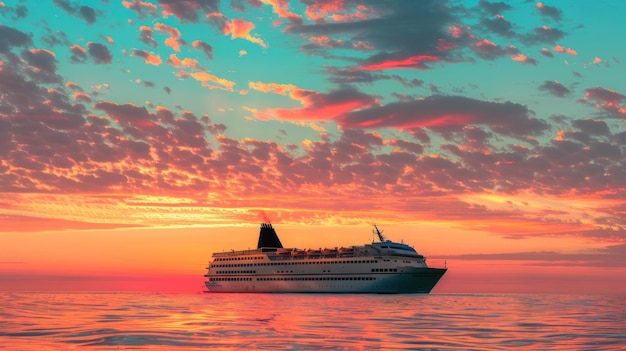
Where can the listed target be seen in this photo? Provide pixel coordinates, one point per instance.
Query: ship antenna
(379, 233)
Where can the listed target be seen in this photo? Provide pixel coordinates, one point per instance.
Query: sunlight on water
(38, 321)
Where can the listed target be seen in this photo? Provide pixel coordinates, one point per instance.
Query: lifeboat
(282, 251)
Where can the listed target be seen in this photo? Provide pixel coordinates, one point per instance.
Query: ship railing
(237, 253)
(320, 255)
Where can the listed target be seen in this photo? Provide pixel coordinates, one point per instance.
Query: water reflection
(32, 321)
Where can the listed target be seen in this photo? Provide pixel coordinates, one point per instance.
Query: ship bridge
(394, 248)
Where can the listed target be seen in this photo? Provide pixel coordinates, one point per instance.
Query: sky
(137, 137)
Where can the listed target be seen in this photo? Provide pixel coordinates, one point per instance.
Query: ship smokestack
(268, 237)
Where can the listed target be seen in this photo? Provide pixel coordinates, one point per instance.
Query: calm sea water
(108, 321)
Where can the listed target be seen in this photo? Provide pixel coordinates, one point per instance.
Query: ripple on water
(311, 322)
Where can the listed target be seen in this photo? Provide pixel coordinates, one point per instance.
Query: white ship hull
(420, 280)
(382, 267)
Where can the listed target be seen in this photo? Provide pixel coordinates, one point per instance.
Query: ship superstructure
(383, 266)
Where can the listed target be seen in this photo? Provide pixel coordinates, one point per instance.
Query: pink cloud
(317, 106)
(415, 62)
(607, 100)
(317, 10)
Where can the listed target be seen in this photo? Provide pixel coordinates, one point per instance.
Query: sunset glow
(138, 137)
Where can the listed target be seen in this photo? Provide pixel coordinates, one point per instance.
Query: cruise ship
(383, 266)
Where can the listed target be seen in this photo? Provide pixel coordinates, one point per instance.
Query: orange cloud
(280, 8)
(281, 89)
(205, 78)
(186, 62)
(486, 42)
(79, 96)
(174, 35)
(238, 28)
(148, 57)
(163, 28)
(559, 48)
(358, 15)
(519, 57)
(319, 10)
(138, 4)
(37, 51)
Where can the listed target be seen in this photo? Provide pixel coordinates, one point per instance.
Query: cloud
(544, 35)
(85, 12)
(11, 37)
(174, 41)
(404, 34)
(609, 256)
(281, 8)
(148, 57)
(276, 88)
(494, 8)
(607, 100)
(187, 10)
(79, 54)
(545, 52)
(206, 48)
(555, 88)
(146, 36)
(17, 12)
(238, 28)
(143, 9)
(588, 125)
(499, 26)
(42, 65)
(559, 48)
(319, 107)
(99, 53)
(186, 62)
(207, 79)
(488, 50)
(444, 111)
(549, 11)
(360, 152)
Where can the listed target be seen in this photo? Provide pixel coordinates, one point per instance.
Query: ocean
(144, 321)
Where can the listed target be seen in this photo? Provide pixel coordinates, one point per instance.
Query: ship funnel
(268, 237)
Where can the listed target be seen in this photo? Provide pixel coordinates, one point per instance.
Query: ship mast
(379, 233)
